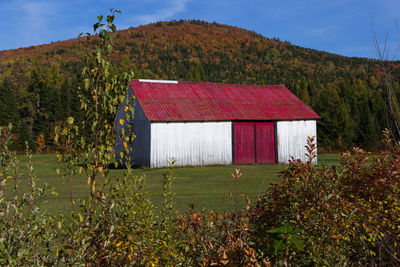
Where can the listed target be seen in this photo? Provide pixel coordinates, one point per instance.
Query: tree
(388, 70)
(196, 73)
(8, 106)
(335, 127)
(24, 136)
(66, 96)
(90, 139)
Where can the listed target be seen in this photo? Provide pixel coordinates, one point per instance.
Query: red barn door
(244, 142)
(265, 146)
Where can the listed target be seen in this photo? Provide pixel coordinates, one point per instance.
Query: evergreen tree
(24, 136)
(335, 129)
(66, 99)
(8, 106)
(196, 73)
(303, 92)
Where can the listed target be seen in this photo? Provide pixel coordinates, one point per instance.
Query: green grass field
(205, 187)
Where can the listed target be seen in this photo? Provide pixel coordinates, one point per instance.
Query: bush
(125, 229)
(217, 239)
(27, 233)
(348, 214)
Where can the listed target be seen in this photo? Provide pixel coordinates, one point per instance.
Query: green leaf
(96, 26)
(278, 245)
(87, 83)
(284, 229)
(110, 19)
(296, 242)
(103, 34)
(80, 217)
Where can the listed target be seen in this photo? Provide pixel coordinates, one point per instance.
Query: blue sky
(337, 26)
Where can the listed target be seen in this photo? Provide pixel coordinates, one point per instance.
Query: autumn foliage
(348, 214)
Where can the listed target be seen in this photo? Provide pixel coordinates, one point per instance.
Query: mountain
(346, 92)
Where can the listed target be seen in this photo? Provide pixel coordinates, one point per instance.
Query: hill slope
(344, 91)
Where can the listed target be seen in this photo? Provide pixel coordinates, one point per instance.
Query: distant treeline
(38, 83)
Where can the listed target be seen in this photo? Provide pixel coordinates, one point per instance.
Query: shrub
(28, 234)
(125, 229)
(348, 214)
(219, 238)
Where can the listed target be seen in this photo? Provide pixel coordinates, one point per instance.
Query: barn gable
(141, 125)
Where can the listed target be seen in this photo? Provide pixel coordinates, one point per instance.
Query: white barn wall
(191, 143)
(292, 139)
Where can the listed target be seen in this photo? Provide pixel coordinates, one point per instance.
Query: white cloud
(174, 8)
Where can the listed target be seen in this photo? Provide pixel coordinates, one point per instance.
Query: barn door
(265, 142)
(244, 142)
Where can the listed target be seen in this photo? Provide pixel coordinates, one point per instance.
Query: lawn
(205, 187)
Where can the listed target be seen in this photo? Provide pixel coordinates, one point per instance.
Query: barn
(204, 123)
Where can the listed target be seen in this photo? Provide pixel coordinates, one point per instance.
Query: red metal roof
(206, 101)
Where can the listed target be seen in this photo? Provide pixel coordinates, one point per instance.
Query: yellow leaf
(121, 154)
(93, 186)
(118, 244)
(125, 145)
(73, 202)
(70, 120)
(121, 121)
(88, 180)
(9, 177)
(100, 169)
(126, 109)
(80, 170)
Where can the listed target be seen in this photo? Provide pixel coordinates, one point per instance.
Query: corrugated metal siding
(292, 138)
(265, 142)
(141, 128)
(244, 142)
(194, 143)
(204, 101)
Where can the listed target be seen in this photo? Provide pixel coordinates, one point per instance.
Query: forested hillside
(37, 83)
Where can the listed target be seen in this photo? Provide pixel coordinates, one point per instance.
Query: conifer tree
(8, 106)
(66, 98)
(196, 73)
(335, 128)
(24, 136)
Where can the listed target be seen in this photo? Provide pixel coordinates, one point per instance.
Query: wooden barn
(203, 123)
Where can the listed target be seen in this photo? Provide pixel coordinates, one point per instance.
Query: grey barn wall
(141, 128)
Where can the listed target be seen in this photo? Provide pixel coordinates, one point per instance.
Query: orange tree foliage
(41, 144)
(348, 214)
